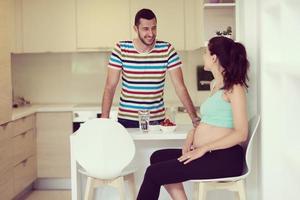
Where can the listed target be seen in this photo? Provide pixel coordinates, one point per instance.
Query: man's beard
(144, 42)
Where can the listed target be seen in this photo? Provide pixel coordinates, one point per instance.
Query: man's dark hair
(145, 14)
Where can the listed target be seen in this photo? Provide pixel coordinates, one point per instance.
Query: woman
(212, 149)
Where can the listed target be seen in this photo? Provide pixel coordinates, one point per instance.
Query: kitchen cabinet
(17, 156)
(53, 146)
(193, 24)
(170, 19)
(101, 23)
(48, 25)
(24, 152)
(5, 70)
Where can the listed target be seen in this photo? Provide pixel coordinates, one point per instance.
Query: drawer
(23, 146)
(22, 125)
(6, 185)
(24, 174)
(5, 131)
(6, 152)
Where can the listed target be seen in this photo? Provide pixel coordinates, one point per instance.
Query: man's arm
(182, 93)
(112, 80)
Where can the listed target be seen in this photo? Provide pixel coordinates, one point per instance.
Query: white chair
(101, 149)
(237, 183)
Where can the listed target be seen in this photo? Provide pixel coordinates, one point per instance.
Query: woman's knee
(155, 157)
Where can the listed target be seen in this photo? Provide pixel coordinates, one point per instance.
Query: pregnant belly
(206, 133)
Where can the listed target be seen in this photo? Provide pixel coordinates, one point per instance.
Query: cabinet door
(5, 72)
(48, 25)
(101, 23)
(193, 24)
(53, 146)
(170, 19)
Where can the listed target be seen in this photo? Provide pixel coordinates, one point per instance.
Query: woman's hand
(188, 143)
(192, 155)
(187, 146)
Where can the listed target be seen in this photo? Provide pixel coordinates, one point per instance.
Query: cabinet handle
(24, 162)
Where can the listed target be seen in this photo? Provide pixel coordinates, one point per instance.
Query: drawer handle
(24, 134)
(24, 162)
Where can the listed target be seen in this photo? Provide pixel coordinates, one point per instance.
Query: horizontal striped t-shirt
(143, 78)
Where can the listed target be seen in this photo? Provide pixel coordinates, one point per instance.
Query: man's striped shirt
(143, 78)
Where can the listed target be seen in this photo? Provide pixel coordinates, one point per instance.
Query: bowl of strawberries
(167, 126)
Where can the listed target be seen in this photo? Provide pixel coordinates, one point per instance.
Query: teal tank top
(216, 111)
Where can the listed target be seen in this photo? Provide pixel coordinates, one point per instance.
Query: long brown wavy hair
(233, 58)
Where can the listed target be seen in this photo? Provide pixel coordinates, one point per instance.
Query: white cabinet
(53, 146)
(102, 23)
(219, 16)
(170, 19)
(17, 156)
(48, 25)
(193, 24)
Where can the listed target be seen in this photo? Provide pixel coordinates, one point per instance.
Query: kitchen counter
(20, 112)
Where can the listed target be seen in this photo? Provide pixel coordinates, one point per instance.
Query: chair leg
(119, 184)
(199, 191)
(241, 192)
(89, 189)
(131, 183)
(196, 191)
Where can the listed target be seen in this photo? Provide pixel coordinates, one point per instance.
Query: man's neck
(141, 47)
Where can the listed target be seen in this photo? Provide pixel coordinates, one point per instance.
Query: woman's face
(208, 60)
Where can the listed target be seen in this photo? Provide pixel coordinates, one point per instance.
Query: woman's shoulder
(237, 90)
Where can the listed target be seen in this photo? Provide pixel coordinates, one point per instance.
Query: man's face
(146, 31)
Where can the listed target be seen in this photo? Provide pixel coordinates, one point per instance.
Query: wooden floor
(49, 195)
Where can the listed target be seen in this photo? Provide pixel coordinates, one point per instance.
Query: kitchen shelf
(218, 5)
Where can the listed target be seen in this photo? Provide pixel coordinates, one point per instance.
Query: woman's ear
(214, 58)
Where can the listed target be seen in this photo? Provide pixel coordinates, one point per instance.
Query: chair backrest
(103, 147)
(248, 145)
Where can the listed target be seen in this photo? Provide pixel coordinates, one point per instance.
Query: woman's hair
(233, 58)
(145, 14)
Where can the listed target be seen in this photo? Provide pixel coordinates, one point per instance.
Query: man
(144, 62)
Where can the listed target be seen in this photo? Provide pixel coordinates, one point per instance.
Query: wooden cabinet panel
(6, 185)
(48, 25)
(22, 125)
(101, 23)
(5, 94)
(5, 71)
(5, 155)
(23, 146)
(170, 19)
(53, 146)
(194, 38)
(5, 131)
(24, 174)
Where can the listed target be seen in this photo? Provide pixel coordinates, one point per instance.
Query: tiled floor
(49, 195)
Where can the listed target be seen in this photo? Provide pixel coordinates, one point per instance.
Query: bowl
(167, 129)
